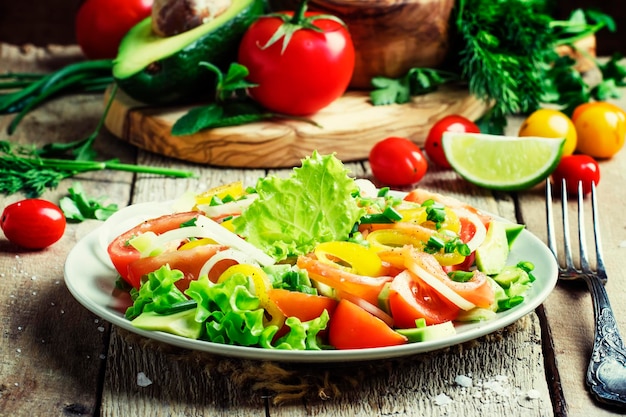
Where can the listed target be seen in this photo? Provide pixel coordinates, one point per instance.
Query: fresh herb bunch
(507, 57)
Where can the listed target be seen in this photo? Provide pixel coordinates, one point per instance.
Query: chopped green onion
(510, 302)
(460, 276)
(392, 214)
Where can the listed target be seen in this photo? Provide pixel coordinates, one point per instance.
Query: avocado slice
(424, 333)
(182, 323)
(492, 254)
(166, 70)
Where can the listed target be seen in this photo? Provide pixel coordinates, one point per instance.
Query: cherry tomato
(303, 306)
(307, 74)
(33, 223)
(550, 123)
(451, 123)
(397, 161)
(410, 299)
(101, 24)
(577, 168)
(601, 129)
(351, 327)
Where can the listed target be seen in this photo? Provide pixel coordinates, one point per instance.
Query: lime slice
(506, 163)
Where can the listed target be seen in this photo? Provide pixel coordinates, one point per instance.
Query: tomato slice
(303, 306)
(351, 327)
(477, 290)
(189, 262)
(122, 254)
(410, 299)
(362, 286)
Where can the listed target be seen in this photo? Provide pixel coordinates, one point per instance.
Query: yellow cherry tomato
(550, 123)
(601, 129)
(197, 242)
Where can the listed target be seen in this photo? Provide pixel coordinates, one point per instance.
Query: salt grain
(533, 394)
(144, 381)
(442, 399)
(463, 381)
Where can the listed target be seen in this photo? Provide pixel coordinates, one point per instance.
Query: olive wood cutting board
(348, 127)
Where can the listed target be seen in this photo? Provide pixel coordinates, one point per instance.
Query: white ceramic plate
(90, 277)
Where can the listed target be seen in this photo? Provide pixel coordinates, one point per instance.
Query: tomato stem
(298, 16)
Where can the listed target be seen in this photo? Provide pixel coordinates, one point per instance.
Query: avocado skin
(178, 78)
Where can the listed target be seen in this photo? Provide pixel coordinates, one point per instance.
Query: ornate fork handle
(606, 375)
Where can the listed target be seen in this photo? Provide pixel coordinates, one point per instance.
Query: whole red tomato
(397, 161)
(33, 223)
(577, 168)
(301, 74)
(451, 123)
(101, 24)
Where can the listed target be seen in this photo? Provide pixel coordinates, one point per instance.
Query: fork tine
(569, 262)
(584, 261)
(550, 219)
(596, 232)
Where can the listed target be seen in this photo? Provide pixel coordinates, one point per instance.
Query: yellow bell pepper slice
(262, 285)
(234, 189)
(197, 242)
(350, 257)
(390, 239)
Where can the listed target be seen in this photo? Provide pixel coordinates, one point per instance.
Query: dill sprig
(506, 46)
(22, 170)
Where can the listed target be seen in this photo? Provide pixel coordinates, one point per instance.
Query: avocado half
(166, 70)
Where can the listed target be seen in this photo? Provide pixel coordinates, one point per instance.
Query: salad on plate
(317, 261)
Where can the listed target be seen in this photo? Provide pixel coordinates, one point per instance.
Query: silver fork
(606, 374)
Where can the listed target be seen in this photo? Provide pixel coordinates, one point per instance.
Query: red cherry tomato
(577, 168)
(101, 24)
(397, 161)
(304, 76)
(33, 223)
(351, 327)
(452, 123)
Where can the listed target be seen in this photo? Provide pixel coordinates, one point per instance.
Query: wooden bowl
(390, 36)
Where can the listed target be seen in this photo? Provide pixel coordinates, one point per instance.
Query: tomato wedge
(410, 299)
(362, 286)
(189, 262)
(122, 254)
(351, 327)
(303, 306)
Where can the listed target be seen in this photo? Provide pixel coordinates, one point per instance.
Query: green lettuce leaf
(292, 215)
(158, 293)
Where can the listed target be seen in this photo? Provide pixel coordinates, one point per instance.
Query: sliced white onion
(366, 187)
(481, 230)
(441, 288)
(225, 237)
(230, 208)
(228, 254)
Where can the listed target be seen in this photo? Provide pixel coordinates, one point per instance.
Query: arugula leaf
(291, 215)
(79, 207)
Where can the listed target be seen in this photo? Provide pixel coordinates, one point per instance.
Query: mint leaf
(292, 215)
(77, 206)
(197, 119)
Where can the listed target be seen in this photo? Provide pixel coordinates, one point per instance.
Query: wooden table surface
(59, 359)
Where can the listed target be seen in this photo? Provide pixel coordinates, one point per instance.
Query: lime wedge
(506, 163)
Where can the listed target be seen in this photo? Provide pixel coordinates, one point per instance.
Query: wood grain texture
(350, 126)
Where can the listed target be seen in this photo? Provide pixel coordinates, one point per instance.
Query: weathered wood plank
(52, 349)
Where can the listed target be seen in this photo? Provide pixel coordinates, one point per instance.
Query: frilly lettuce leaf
(302, 335)
(292, 215)
(158, 293)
